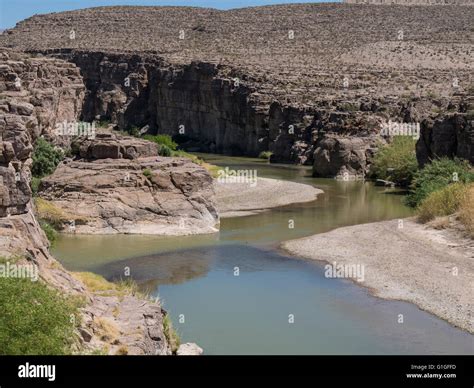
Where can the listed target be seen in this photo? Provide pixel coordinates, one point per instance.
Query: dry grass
(171, 334)
(94, 282)
(97, 284)
(442, 202)
(466, 210)
(54, 215)
(122, 351)
(106, 329)
(213, 169)
(440, 223)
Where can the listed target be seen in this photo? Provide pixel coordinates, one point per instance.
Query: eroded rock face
(35, 94)
(249, 80)
(449, 136)
(147, 195)
(341, 156)
(112, 146)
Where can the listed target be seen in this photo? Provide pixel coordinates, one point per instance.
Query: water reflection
(236, 290)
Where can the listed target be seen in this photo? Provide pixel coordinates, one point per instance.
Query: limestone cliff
(35, 94)
(313, 83)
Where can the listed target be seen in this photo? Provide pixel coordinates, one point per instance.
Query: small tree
(437, 175)
(45, 158)
(396, 161)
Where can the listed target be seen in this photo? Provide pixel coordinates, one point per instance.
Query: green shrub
(49, 230)
(35, 320)
(162, 140)
(443, 202)
(147, 172)
(396, 162)
(436, 175)
(35, 182)
(184, 154)
(164, 150)
(171, 334)
(133, 131)
(45, 158)
(265, 155)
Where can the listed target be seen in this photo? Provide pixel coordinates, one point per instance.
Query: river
(235, 292)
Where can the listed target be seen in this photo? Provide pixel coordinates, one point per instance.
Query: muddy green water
(234, 292)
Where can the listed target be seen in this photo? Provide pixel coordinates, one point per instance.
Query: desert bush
(436, 175)
(164, 150)
(466, 210)
(133, 131)
(147, 172)
(162, 140)
(443, 202)
(396, 162)
(49, 231)
(45, 158)
(35, 182)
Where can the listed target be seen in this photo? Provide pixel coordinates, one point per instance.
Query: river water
(235, 292)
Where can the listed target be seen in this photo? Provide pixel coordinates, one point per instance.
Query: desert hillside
(274, 78)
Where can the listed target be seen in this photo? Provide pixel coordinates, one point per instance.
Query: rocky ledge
(141, 195)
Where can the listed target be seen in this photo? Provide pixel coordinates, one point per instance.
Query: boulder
(189, 349)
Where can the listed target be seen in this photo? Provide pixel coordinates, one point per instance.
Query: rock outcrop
(344, 156)
(189, 349)
(279, 78)
(117, 187)
(35, 95)
(450, 135)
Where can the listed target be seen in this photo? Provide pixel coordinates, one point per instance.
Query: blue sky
(12, 11)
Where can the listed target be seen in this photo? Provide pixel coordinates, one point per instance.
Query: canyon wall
(311, 83)
(202, 106)
(36, 93)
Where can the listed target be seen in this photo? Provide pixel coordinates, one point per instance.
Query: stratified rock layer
(147, 195)
(278, 78)
(35, 95)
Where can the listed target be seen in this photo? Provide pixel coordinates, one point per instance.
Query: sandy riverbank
(241, 199)
(415, 263)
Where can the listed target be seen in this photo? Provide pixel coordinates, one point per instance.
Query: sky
(12, 11)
